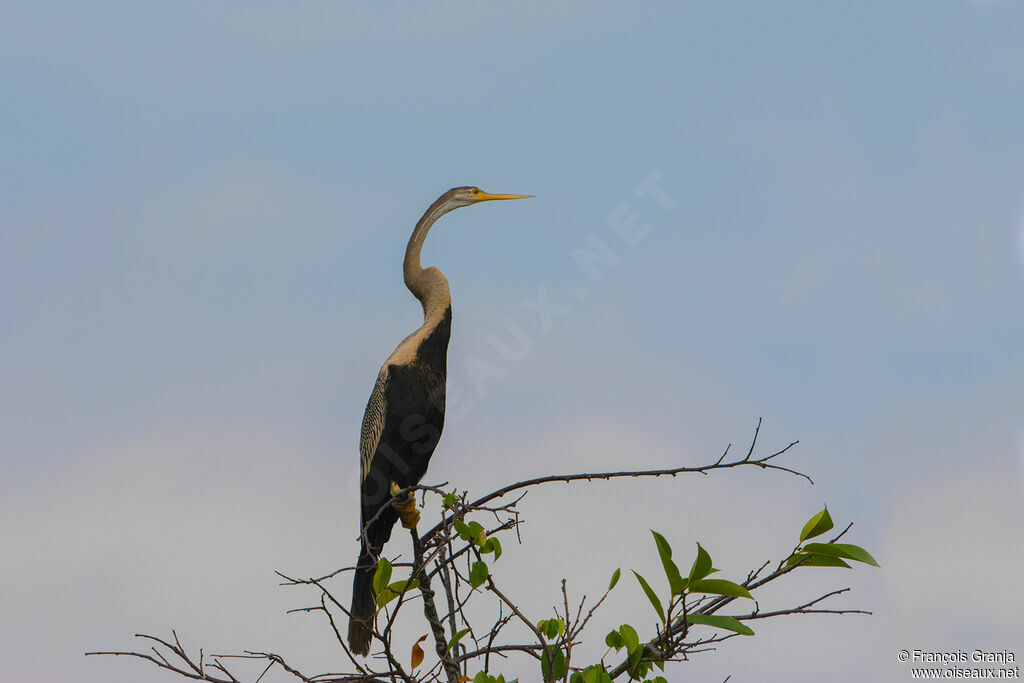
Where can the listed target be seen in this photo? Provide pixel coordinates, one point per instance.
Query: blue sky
(202, 217)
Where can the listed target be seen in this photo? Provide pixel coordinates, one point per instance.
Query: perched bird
(405, 415)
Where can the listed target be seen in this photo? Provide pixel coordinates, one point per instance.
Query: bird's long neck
(429, 285)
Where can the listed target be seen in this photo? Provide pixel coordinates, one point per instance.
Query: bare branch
(763, 463)
(430, 612)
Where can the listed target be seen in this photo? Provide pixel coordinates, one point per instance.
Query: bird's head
(458, 197)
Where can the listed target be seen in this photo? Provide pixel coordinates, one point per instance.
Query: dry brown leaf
(417, 653)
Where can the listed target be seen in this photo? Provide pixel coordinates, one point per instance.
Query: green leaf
(614, 640)
(395, 589)
(456, 638)
(450, 500)
(718, 621)
(481, 677)
(701, 565)
(630, 638)
(651, 596)
(555, 628)
(720, 587)
(561, 667)
(809, 560)
(476, 532)
(381, 575)
(552, 628)
(595, 673)
(492, 545)
(399, 586)
(462, 529)
(615, 578)
(675, 581)
(845, 550)
(478, 573)
(558, 665)
(817, 525)
(855, 552)
(657, 679)
(638, 669)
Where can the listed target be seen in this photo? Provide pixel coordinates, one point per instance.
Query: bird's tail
(364, 604)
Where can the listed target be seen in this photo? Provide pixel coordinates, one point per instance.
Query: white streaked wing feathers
(373, 423)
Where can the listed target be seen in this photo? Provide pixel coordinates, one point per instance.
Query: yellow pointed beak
(485, 197)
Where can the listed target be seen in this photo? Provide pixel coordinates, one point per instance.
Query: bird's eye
(475, 190)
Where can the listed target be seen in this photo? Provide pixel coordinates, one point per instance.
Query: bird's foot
(404, 502)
